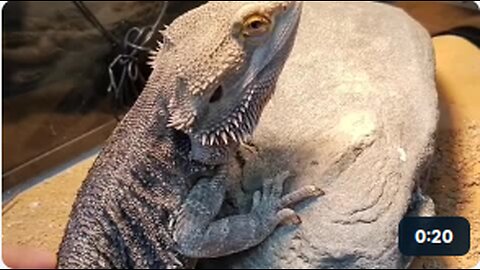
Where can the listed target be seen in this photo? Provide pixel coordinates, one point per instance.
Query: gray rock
(355, 113)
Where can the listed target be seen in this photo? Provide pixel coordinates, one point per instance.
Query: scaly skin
(151, 198)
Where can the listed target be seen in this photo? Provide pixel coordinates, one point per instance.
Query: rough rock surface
(355, 112)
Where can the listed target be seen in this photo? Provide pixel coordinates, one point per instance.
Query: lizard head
(226, 58)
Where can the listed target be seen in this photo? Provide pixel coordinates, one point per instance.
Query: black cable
(93, 20)
(133, 44)
(123, 70)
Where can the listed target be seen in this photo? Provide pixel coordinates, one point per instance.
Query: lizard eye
(256, 25)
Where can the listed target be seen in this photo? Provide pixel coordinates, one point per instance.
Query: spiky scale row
(167, 42)
(239, 125)
(181, 119)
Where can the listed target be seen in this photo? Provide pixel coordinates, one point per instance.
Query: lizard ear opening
(217, 95)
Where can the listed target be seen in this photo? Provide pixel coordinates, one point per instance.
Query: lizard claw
(273, 207)
(288, 216)
(301, 194)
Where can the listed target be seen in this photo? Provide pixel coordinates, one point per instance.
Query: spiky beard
(240, 123)
(236, 126)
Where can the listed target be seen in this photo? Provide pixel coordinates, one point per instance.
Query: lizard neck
(211, 154)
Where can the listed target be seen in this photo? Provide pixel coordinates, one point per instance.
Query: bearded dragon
(151, 198)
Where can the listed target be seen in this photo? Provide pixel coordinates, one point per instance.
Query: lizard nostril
(217, 95)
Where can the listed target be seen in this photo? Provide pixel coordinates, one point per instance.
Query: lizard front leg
(199, 235)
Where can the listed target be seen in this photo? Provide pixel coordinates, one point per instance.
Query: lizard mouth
(242, 120)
